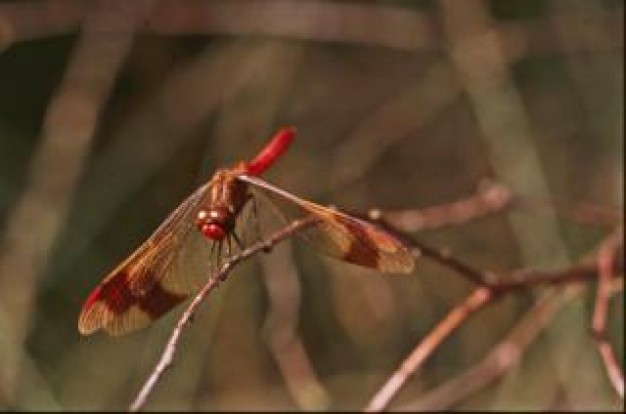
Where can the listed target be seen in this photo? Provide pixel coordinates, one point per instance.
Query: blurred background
(112, 112)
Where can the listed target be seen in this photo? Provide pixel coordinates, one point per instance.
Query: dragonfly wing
(340, 235)
(160, 274)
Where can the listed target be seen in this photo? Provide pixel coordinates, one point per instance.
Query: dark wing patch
(160, 274)
(342, 236)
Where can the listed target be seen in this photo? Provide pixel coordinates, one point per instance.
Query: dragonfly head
(213, 223)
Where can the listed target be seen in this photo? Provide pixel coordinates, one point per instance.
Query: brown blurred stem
(581, 212)
(69, 128)
(229, 264)
(398, 28)
(492, 197)
(281, 330)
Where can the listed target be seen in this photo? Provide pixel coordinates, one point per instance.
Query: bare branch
(168, 354)
(442, 256)
(581, 212)
(504, 356)
(474, 302)
(490, 198)
(483, 296)
(606, 258)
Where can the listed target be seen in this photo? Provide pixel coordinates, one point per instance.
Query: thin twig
(474, 302)
(442, 256)
(504, 356)
(168, 354)
(490, 198)
(581, 212)
(606, 258)
(530, 278)
(500, 283)
(482, 296)
(496, 285)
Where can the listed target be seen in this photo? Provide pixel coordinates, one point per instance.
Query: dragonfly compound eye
(212, 223)
(213, 231)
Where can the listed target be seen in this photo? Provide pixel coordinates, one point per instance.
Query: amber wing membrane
(160, 274)
(343, 236)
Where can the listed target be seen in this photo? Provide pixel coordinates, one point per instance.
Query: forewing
(160, 274)
(341, 235)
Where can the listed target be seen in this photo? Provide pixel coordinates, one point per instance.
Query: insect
(162, 272)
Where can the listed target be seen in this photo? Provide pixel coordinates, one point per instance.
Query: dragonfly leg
(213, 258)
(237, 241)
(229, 246)
(257, 222)
(219, 260)
(250, 199)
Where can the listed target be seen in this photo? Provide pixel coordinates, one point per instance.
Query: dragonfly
(163, 271)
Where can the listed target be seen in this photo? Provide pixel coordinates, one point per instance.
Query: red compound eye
(213, 231)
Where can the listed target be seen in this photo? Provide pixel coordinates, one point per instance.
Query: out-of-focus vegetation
(111, 112)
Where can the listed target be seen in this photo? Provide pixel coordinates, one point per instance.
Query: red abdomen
(272, 151)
